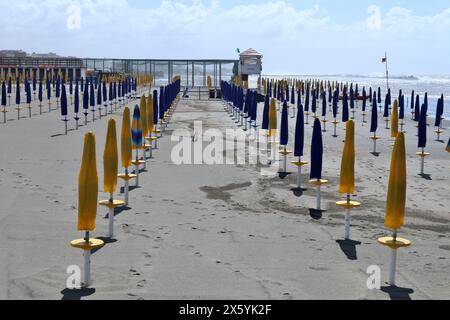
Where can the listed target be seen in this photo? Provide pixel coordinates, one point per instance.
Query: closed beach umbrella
(150, 124)
(88, 186)
(273, 121)
(379, 96)
(386, 108)
(125, 141)
(335, 103)
(161, 103)
(439, 111)
(64, 102)
(364, 99)
(17, 92)
(401, 112)
(347, 181)
(345, 111)
(307, 100)
(412, 100)
(99, 94)
(265, 120)
(92, 96)
(143, 111)
(396, 198)
(86, 99)
(314, 102)
(299, 133)
(284, 129)
(136, 129)
(3, 93)
(394, 120)
(110, 159)
(316, 151)
(417, 109)
(324, 104)
(155, 107)
(49, 90)
(40, 91)
(374, 116)
(76, 106)
(423, 127)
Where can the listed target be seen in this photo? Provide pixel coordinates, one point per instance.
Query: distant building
(17, 63)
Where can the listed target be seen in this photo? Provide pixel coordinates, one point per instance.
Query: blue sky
(296, 37)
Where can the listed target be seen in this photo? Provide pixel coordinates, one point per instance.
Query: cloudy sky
(296, 37)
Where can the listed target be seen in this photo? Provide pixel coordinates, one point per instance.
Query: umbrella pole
(307, 117)
(422, 163)
(393, 262)
(87, 264)
(374, 142)
(299, 176)
(18, 112)
(4, 114)
(65, 125)
(127, 187)
(111, 216)
(335, 128)
(319, 195)
(76, 122)
(40, 107)
(93, 115)
(85, 119)
(29, 110)
(348, 219)
(137, 168)
(49, 106)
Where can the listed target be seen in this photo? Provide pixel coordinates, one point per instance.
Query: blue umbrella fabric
(374, 117)
(284, 130)
(265, 119)
(316, 151)
(423, 128)
(299, 133)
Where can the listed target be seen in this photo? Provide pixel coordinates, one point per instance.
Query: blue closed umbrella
(335, 103)
(314, 102)
(161, 103)
(40, 91)
(284, 130)
(401, 114)
(76, 102)
(324, 104)
(299, 133)
(136, 131)
(17, 92)
(293, 96)
(386, 107)
(4, 94)
(155, 107)
(374, 118)
(307, 100)
(265, 119)
(417, 109)
(64, 102)
(345, 111)
(423, 128)
(316, 151)
(86, 100)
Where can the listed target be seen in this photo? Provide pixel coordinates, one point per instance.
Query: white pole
(392, 267)
(87, 268)
(318, 197)
(422, 165)
(348, 219)
(111, 218)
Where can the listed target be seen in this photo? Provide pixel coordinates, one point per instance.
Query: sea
(435, 86)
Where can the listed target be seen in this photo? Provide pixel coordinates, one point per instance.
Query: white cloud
(304, 40)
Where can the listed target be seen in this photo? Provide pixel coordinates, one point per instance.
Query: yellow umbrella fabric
(126, 148)
(150, 118)
(396, 198)
(144, 119)
(394, 120)
(273, 121)
(347, 182)
(110, 159)
(88, 186)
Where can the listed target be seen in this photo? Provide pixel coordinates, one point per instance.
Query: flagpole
(387, 70)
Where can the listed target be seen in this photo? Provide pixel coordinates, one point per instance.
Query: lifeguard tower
(250, 64)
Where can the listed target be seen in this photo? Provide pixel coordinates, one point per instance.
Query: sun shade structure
(347, 177)
(126, 150)
(396, 203)
(317, 161)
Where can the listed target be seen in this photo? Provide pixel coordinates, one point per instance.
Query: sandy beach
(220, 231)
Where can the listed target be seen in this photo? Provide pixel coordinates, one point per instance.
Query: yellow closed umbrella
(126, 147)
(396, 199)
(110, 166)
(394, 120)
(347, 182)
(87, 205)
(150, 116)
(88, 186)
(396, 203)
(144, 119)
(110, 158)
(273, 120)
(126, 150)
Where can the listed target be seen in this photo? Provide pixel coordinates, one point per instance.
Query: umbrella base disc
(112, 205)
(127, 177)
(91, 245)
(285, 153)
(394, 244)
(348, 205)
(423, 154)
(375, 138)
(138, 163)
(318, 183)
(299, 163)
